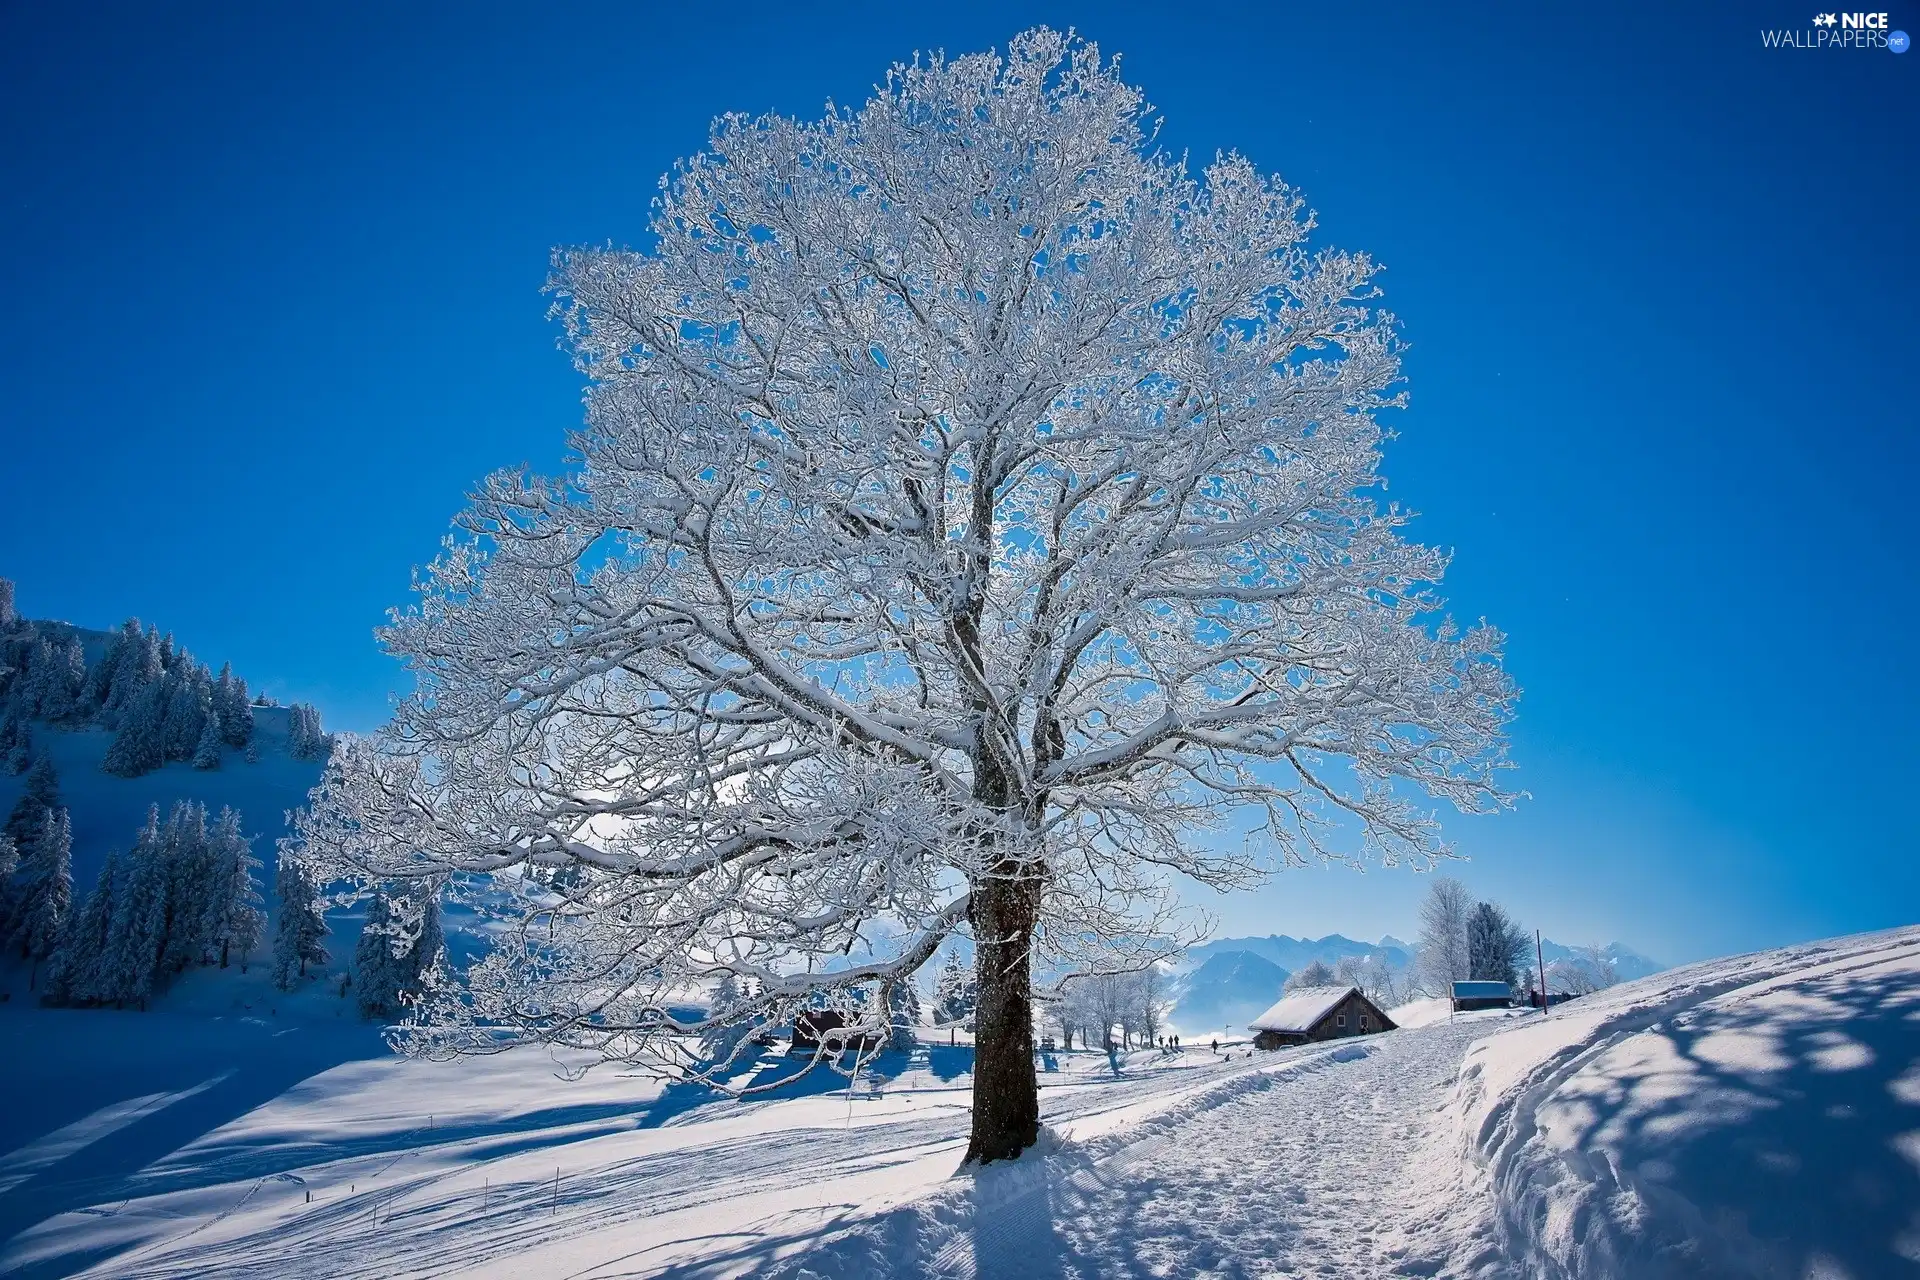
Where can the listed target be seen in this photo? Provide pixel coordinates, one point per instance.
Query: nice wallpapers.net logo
(1839, 31)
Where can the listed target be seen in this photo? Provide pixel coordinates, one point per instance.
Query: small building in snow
(1317, 1013)
(1481, 995)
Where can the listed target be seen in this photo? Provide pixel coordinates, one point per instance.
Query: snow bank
(1421, 1013)
(1756, 1116)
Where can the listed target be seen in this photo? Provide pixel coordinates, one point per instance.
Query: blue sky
(272, 301)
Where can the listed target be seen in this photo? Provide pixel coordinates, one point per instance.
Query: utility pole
(1540, 958)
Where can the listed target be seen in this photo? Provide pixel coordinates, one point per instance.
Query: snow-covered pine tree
(29, 814)
(234, 711)
(376, 983)
(193, 882)
(9, 615)
(128, 964)
(9, 865)
(305, 738)
(1497, 947)
(75, 973)
(140, 744)
(46, 892)
(16, 740)
(973, 501)
(903, 1015)
(206, 755)
(189, 705)
(235, 923)
(729, 1022)
(137, 668)
(395, 949)
(301, 926)
(253, 752)
(955, 991)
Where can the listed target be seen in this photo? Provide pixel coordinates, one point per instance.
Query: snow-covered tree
(140, 745)
(1441, 952)
(232, 708)
(955, 992)
(16, 740)
(903, 1015)
(1376, 979)
(730, 1023)
(973, 500)
(9, 615)
(388, 961)
(46, 891)
(1497, 948)
(234, 923)
(206, 753)
(75, 973)
(300, 929)
(1315, 973)
(305, 738)
(40, 798)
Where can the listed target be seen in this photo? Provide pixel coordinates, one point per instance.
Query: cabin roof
(1300, 1010)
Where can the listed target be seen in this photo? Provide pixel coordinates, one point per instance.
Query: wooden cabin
(1481, 995)
(1318, 1013)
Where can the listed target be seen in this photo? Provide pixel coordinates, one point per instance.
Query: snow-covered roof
(1299, 1010)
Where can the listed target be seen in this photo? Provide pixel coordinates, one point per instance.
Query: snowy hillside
(107, 811)
(1752, 1116)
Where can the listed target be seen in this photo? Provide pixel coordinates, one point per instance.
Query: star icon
(1824, 20)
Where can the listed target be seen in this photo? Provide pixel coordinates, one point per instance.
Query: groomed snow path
(1335, 1161)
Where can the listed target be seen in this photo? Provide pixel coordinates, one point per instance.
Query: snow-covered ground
(1755, 1116)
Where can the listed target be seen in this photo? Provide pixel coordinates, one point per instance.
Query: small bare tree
(972, 501)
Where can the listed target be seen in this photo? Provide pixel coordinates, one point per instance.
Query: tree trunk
(1006, 1093)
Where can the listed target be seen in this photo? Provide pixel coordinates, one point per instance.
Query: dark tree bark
(1006, 1093)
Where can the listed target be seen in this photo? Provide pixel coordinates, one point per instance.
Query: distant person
(1216, 1044)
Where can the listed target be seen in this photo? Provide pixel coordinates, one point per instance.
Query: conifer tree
(903, 1016)
(8, 614)
(206, 755)
(301, 928)
(235, 923)
(954, 992)
(388, 965)
(16, 740)
(140, 745)
(235, 712)
(189, 703)
(46, 894)
(29, 815)
(125, 974)
(137, 669)
(74, 975)
(188, 875)
(9, 864)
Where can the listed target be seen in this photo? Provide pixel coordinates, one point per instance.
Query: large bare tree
(973, 502)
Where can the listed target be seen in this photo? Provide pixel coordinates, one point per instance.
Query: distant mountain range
(1228, 982)
(1298, 953)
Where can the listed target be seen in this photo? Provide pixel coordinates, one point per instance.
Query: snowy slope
(1753, 1116)
(1757, 1116)
(107, 811)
